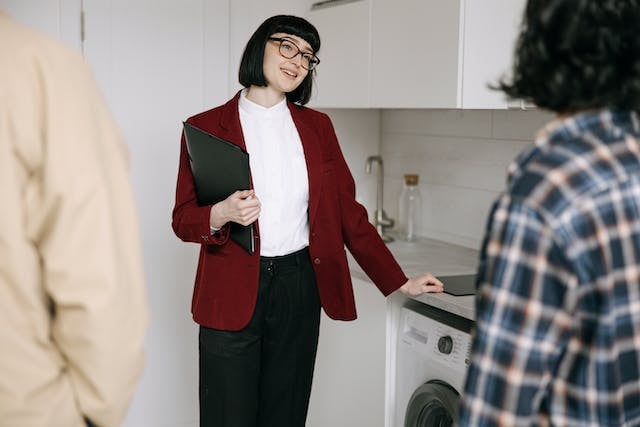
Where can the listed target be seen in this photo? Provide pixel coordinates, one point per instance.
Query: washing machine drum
(433, 404)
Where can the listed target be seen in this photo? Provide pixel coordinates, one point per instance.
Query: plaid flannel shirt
(557, 338)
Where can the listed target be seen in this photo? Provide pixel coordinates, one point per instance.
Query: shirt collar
(252, 108)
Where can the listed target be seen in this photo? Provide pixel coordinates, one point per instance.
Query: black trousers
(261, 376)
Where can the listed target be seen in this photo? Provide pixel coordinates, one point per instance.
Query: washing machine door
(433, 404)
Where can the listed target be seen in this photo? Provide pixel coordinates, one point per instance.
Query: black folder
(219, 168)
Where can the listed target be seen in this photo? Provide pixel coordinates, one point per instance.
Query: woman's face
(284, 74)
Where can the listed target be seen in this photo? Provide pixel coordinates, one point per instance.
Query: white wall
(57, 18)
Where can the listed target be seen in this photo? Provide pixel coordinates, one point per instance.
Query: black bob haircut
(574, 55)
(251, 71)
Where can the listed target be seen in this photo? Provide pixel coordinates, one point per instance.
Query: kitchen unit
(359, 387)
(414, 53)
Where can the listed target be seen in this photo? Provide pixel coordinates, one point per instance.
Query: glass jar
(409, 208)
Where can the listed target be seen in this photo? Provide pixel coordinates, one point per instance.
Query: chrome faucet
(380, 219)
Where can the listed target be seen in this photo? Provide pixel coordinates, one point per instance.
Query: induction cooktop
(459, 285)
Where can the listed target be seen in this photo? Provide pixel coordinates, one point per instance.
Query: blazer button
(316, 260)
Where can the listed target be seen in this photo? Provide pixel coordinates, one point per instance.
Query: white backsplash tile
(464, 162)
(456, 214)
(521, 125)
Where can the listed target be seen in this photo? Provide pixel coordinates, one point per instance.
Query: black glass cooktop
(459, 285)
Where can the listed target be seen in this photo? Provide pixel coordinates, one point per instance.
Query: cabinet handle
(323, 4)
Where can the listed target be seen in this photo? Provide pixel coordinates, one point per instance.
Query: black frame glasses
(288, 49)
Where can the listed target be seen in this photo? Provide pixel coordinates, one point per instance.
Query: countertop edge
(439, 258)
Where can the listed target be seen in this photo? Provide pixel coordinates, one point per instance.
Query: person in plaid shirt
(557, 337)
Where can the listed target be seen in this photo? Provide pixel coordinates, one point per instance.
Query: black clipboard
(219, 168)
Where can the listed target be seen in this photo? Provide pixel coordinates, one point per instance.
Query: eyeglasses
(290, 50)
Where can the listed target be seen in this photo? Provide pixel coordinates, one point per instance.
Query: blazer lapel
(230, 128)
(313, 156)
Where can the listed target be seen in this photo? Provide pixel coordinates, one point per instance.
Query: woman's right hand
(421, 284)
(242, 207)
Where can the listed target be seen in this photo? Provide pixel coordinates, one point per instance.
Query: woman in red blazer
(259, 313)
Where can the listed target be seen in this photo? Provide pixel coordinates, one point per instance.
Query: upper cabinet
(414, 53)
(343, 76)
(491, 29)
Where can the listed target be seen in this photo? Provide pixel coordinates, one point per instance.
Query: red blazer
(226, 283)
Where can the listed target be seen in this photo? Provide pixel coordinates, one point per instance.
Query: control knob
(445, 344)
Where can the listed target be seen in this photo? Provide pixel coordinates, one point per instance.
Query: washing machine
(432, 358)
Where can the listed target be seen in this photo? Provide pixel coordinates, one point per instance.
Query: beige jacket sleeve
(72, 299)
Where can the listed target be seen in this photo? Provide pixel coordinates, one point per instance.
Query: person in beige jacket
(73, 309)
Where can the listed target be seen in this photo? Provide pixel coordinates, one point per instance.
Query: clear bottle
(409, 209)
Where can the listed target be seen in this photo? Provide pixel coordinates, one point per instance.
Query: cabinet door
(491, 28)
(348, 383)
(342, 78)
(415, 47)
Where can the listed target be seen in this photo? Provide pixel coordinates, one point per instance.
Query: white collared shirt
(279, 174)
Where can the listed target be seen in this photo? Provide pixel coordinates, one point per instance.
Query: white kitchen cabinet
(343, 76)
(491, 28)
(442, 53)
(349, 379)
(421, 53)
(415, 53)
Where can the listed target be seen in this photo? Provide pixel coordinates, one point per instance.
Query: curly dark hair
(251, 72)
(574, 55)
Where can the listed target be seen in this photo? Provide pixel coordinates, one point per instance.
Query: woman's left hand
(421, 284)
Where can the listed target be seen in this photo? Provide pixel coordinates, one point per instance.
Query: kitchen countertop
(436, 257)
